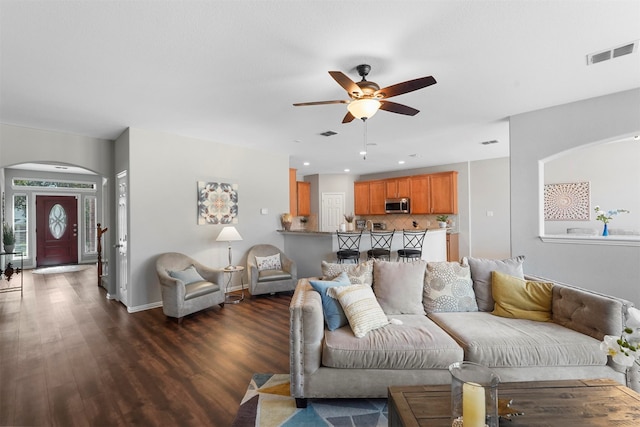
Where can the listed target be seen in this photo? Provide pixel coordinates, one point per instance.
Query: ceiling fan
(367, 97)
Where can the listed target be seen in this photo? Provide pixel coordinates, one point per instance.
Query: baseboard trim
(144, 307)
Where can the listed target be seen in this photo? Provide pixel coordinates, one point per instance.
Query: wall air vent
(616, 52)
(493, 141)
(329, 133)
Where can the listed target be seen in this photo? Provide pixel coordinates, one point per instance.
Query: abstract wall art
(567, 202)
(217, 203)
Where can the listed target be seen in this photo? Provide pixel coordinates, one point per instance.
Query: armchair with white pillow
(269, 270)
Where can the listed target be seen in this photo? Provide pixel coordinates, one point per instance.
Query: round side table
(230, 271)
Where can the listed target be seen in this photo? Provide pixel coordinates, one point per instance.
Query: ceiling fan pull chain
(364, 156)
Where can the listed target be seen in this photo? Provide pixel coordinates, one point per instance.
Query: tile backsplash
(392, 221)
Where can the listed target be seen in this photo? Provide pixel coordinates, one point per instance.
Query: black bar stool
(348, 246)
(380, 245)
(412, 241)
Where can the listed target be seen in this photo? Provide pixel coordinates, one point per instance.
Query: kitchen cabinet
(304, 198)
(361, 198)
(435, 193)
(293, 192)
(376, 197)
(397, 188)
(452, 248)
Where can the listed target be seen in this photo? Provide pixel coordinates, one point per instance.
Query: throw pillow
(521, 299)
(398, 286)
(333, 313)
(271, 262)
(186, 276)
(481, 275)
(358, 273)
(361, 307)
(448, 288)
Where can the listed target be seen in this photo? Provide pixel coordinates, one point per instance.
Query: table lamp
(229, 234)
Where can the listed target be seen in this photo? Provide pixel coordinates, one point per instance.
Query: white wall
(541, 134)
(163, 173)
(489, 208)
(614, 176)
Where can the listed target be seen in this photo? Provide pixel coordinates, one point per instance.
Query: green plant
(442, 218)
(8, 236)
(606, 216)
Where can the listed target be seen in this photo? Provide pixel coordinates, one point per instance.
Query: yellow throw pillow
(521, 299)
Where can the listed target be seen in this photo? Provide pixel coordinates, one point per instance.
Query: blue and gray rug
(268, 403)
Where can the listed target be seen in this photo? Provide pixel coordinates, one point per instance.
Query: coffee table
(565, 403)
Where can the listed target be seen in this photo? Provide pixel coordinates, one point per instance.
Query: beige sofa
(336, 364)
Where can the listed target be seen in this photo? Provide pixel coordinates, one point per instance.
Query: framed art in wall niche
(217, 203)
(567, 202)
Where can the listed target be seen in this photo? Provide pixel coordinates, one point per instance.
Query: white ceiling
(229, 71)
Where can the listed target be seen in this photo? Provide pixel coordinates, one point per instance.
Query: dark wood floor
(69, 356)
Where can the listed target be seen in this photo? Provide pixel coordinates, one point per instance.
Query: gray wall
(163, 173)
(544, 133)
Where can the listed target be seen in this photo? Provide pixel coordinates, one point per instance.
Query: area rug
(60, 269)
(268, 403)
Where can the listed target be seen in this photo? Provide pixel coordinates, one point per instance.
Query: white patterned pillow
(271, 262)
(361, 308)
(448, 288)
(359, 274)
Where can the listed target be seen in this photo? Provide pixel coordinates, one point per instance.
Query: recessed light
(401, 162)
(306, 163)
(362, 153)
(347, 170)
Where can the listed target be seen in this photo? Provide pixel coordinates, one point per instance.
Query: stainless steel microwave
(397, 206)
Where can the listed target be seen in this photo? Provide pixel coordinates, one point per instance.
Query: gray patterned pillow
(359, 274)
(448, 288)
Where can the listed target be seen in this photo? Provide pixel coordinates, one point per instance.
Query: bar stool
(380, 245)
(348, 246)
(412, 241)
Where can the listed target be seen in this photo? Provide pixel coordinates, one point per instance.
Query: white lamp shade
(229, 234)
(363, 108)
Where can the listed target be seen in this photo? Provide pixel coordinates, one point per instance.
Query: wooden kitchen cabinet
(397, 188)
(361, 198)
(377, 195)
(435, 193)
(304, 198)
(452, 248)
(293, 192)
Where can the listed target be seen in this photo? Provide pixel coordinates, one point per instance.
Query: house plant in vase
(442, 220)
(625, 349)
(349, 218)
(8, 237)
(606, 216)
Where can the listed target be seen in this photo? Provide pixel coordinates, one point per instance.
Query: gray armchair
(188, 286)
(270, 281)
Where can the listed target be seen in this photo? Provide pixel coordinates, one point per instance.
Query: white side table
(230, 271)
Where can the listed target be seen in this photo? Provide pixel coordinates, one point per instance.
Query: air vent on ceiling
(329, 133)
(493, 141)
(616, 52)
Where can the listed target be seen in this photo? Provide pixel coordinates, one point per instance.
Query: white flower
(611, 346)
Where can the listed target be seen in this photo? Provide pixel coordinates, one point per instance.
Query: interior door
(332, 214)
(56, 230)
(122, 265)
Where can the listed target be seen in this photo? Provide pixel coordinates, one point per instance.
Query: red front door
(56, 230)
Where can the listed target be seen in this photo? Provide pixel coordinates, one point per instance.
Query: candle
(473, 405)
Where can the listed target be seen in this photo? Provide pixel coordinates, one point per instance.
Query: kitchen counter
(309, 248)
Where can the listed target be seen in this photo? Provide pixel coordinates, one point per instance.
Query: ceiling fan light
(363, 108)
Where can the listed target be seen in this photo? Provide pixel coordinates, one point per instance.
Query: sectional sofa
(430, 315)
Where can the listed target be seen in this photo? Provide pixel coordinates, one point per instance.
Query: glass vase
(605, 231)
(474, 395)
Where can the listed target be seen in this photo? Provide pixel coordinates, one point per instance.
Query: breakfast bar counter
(308, 248)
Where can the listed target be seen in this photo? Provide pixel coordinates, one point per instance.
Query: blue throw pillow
(333, 314)
(188, 275)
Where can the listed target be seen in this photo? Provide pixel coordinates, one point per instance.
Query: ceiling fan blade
(394, 107)
(349, 85)
(302, 104)
(405, 87)
(348, 118)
